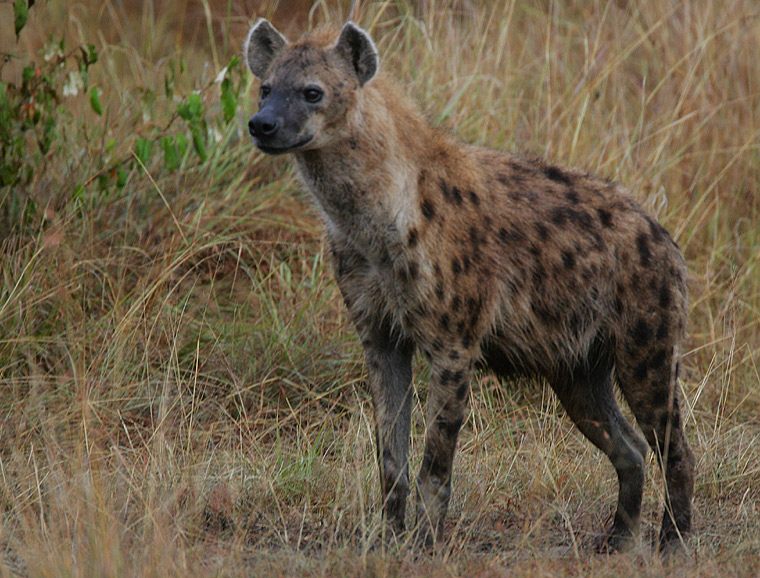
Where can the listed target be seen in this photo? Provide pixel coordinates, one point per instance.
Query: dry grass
(181, 391)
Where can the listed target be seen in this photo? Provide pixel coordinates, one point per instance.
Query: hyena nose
(262, 125)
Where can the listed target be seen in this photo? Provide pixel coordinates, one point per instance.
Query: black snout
(263, 125)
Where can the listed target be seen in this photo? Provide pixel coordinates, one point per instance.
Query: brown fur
(480, 258)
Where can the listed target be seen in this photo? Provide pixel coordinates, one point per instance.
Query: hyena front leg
(447, 402)
(389, 362)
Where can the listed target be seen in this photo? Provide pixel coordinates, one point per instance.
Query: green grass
(181, 391)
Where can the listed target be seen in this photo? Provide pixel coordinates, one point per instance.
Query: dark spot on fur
(511, 236)
(641, 333)
(575, 323)
(439, 290)
(663, 329)
(656, 230)
(539, 274)
(465, 263)
(568, 259)
(461, 327)
(453, 354)
(584, 221)
(642, 245)
(534, 250)
(451, 428)
(353, 144)
(559, 216)
(658, 359)
(431, 466)
(456, 302)
(467, 341)
(544, 314)
(673, 417)
(557, 175)
(445, 322)
(456, 267)
(543, 231)
(640, 371)
(474, 237)
(411, 238)
(665, 296)
(605, 217)
(452, 195)
(473, 304)
(474, 198)
(573, 197)
(462, 392)
(414, 270)
(428, 210)
(446, 376)
(437, 344)
(660, 395)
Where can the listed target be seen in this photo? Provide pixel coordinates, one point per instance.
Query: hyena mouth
(274, 150)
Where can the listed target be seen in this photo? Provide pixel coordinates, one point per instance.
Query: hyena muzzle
(480, 260)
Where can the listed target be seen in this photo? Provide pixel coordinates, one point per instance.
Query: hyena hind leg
(650, 388)
(587, 395)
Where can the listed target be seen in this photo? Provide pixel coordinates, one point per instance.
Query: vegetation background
(181, 393)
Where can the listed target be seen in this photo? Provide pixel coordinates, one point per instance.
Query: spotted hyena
(479, 259)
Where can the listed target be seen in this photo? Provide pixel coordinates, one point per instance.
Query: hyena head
(307, 88)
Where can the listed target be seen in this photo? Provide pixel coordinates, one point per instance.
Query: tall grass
(182, 393)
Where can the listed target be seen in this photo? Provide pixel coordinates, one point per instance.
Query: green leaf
(49, 134)
(191, 108)
(9, 171)
(143, 147)
(121, 177)
(27, 74)
(90, 54)
(169, 82)
(181, 145)
(198, 144)
(20, 15)
(78, 193)
(95, 100)
(229, 100)
(171, 158)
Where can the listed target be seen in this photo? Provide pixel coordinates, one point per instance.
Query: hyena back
(479, 259)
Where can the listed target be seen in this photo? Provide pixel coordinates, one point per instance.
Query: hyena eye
(264, 91)
(312, 94)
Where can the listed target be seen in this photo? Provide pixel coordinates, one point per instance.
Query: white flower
(52, 50)
(220, 77)
(74, 84)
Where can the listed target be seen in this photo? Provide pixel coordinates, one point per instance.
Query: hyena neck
(365, 183)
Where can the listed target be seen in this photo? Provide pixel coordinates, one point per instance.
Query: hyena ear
(357, 48)
(262, 45)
